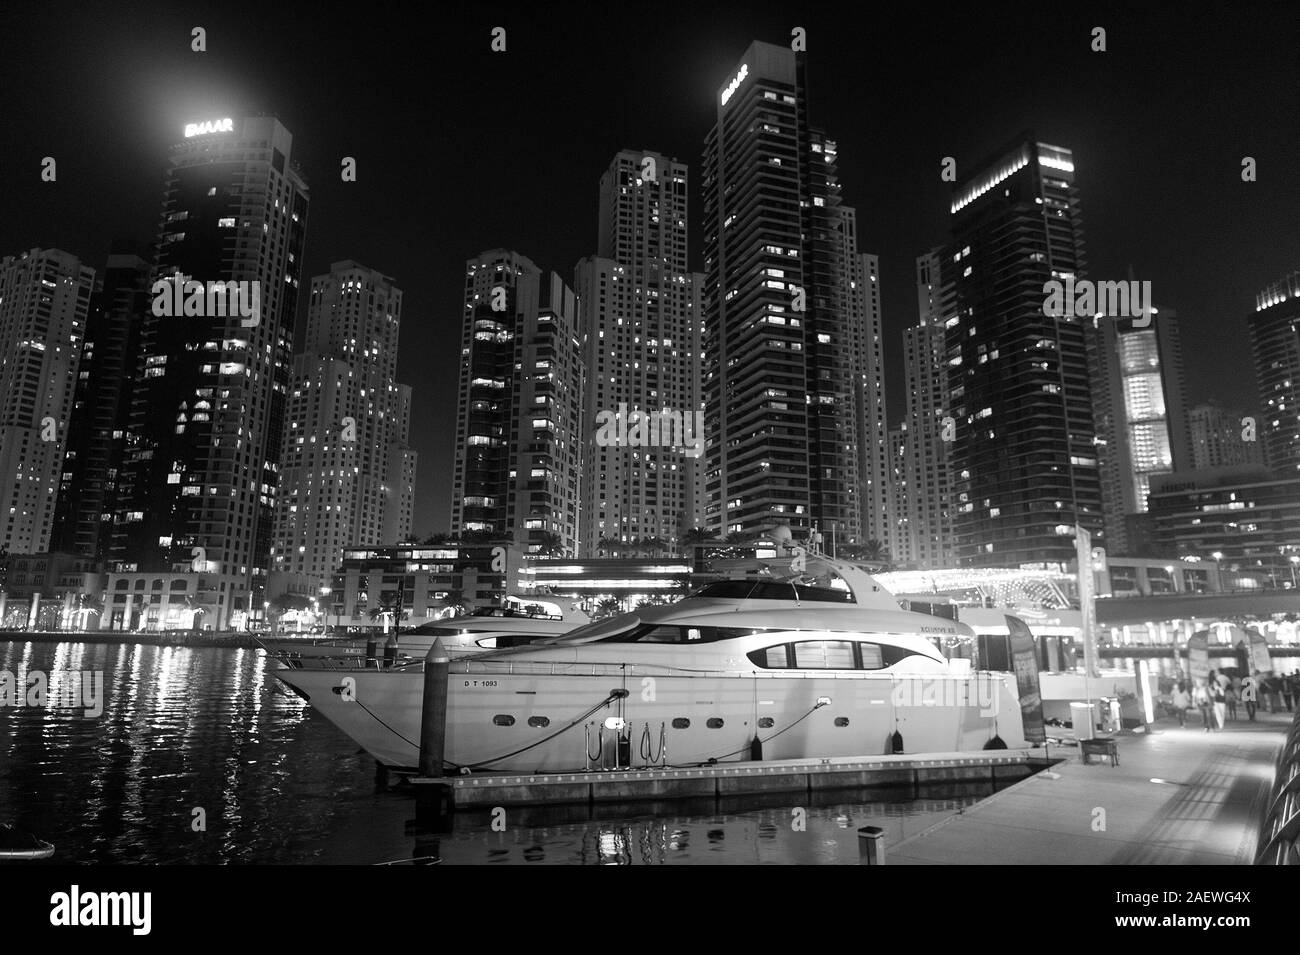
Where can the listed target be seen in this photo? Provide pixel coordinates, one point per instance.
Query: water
(208, 735)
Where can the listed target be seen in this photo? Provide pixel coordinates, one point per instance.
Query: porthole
(766, 722)
(539, 721)
(681, 723)
(714, 723)
(841, 721)
(503, 719)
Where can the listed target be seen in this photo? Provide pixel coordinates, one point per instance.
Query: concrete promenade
(1177, 797)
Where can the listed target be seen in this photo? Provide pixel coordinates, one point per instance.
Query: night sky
(460, 149)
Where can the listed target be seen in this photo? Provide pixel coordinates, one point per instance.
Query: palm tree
(282, 604)
(454, 598)
(698, 535)
(875, 551)
(550, 545)
(607, 607)
(390, 602)
(655, 546)
(608, 546)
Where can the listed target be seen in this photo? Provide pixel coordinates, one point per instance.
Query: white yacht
(805, 671)
(520, 621)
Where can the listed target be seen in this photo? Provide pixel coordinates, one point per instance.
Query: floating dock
(1179, 796)
(795, 776)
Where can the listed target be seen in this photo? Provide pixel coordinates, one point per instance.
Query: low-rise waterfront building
(423, 581)
(55, 590)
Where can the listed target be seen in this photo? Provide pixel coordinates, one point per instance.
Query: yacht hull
(546, 722)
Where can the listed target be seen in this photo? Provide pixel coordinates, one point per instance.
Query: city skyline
(741, 434)
(891, 176)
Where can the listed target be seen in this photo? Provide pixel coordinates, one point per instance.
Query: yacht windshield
(533, 611)
(771, 590)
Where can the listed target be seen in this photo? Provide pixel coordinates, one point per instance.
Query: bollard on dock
(433, 714)
(871, 845)
(433, 796)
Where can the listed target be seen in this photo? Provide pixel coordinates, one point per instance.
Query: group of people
(1218, 696)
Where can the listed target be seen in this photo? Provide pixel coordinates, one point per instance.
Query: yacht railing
(1279, 834)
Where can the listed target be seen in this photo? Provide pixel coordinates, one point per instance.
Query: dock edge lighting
(211, 126)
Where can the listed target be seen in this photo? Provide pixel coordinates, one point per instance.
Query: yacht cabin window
(824, 655)
(829, 655)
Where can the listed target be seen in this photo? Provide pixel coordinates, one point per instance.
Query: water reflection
(181, 730)
(673, 834)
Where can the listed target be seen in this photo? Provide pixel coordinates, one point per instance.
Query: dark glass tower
(203, 455)
(1275, 344)
(516, 471)
(790, 396)
(1024, 460)
(102, 405)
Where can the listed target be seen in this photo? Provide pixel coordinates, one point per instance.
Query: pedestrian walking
(1181, 702)
(1288, 690)
(1218, 703)
(1250, 694)
(1201, 697)
(1230, 697)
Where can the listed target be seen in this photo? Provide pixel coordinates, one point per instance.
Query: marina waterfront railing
(1279, 834)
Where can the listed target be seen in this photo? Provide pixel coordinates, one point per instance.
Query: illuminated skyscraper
(867, 350)
(44, 299)
(348, 473)
(1275, 343)
(640, 320)
(1139, 396)
(919, 502)
(1023, 462)
(1216, 438)
(202, 467)
(518, 423)
(794, 405)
